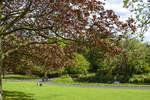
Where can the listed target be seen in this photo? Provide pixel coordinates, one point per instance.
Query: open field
(30, 91)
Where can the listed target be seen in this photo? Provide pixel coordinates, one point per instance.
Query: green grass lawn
(30, 91)
(68, 80)
(17, 76)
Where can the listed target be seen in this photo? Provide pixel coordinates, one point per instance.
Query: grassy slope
(29, 91)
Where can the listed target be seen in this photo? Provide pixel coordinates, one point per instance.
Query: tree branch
(6, 54)
(24, 28)
(18, 17)
(69, 39)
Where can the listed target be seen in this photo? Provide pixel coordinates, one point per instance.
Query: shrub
(64, 79)
(81, 65)
(136, 80)
(145, 78)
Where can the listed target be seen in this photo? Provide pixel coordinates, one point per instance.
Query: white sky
(117, 6)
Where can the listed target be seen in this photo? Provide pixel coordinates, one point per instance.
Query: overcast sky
(117, 6)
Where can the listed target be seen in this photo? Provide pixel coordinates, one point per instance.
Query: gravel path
(82, 86)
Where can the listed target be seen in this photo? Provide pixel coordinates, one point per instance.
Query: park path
(82, 86)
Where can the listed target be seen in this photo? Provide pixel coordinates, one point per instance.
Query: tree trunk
(0, 73)
(1, 64)
(3, 74)
(45, 76)
(0, 56)
(0, 87)
(1, 68)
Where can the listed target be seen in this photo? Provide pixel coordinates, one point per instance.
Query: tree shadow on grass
(15, 95)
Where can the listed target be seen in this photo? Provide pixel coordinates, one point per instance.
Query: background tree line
(131, 65)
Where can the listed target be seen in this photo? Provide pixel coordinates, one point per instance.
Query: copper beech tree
(73, 22)
(51, 57)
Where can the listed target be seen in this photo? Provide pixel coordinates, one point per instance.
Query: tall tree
(141, 9)
(83, 22)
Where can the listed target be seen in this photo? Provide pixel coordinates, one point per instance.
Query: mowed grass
(20, 77)
(70, 81)
(30, 91)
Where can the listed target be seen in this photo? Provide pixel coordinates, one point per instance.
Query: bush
(64, 79)
(136, 80)
(146, 68)
(81, 65)
(145, 78)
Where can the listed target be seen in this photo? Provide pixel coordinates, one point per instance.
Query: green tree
(136, 55)
(124, 65)
(81, 65)
(141, 9)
